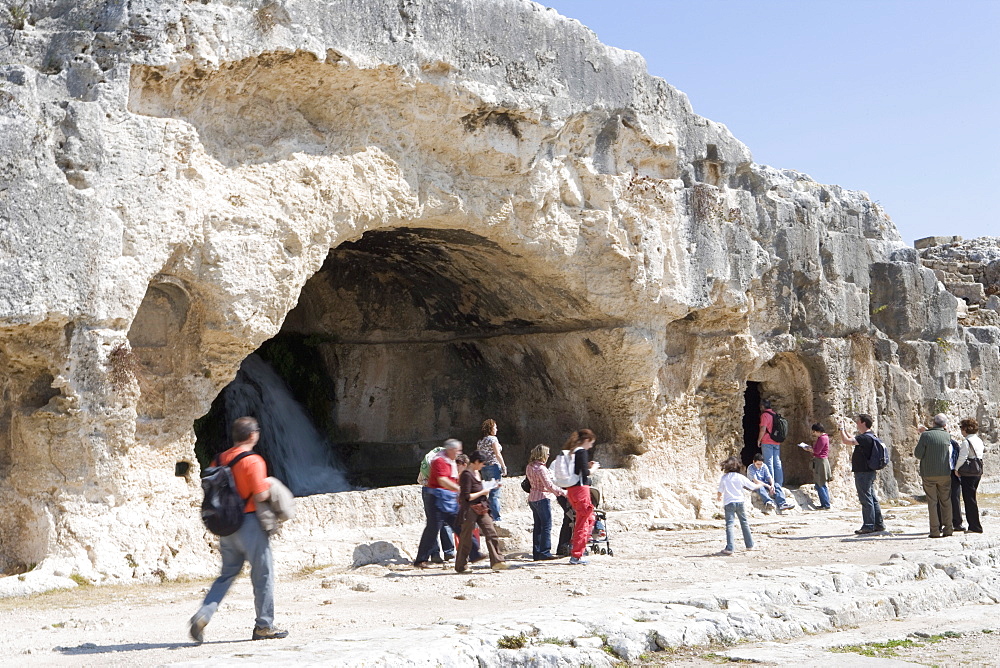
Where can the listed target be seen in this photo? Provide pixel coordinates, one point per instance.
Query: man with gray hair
(934, 452)
(442, 484)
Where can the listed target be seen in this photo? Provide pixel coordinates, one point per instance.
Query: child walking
(731, 487)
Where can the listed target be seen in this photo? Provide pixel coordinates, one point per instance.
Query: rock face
(432, 213)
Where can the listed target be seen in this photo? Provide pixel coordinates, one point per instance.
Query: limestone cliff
(445, 211)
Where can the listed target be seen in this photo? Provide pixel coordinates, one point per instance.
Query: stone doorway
(751, 422)
(406, 337)
(787, 382)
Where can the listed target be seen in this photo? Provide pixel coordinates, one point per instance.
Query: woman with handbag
(969, 471)
(472, 510)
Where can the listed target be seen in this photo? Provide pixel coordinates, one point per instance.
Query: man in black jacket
(864, 476)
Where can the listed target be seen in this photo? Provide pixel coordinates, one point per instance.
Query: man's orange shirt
(250, 474)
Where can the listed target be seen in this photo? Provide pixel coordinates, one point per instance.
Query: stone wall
(474, 209)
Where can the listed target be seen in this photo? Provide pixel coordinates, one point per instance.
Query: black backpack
(879, 457)
(779, 427)
(222, 508)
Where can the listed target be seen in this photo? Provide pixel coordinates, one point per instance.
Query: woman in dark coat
(472, 510)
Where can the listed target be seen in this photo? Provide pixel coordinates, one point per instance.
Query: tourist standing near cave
(579, 444)
(758, 472)
(968, 473)
(934, 452)
(473, 511)
(249, 543)
(443, 485)
(543, 490)
(731, 486)
(769, 447)
(446, 550)
(495, 467)
(864, 475)
(820, 450)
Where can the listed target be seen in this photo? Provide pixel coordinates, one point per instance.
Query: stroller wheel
(603, 551)
(610, 553)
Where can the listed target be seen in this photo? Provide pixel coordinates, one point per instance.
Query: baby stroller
(598, 542)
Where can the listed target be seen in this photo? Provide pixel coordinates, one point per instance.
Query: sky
(899, 98)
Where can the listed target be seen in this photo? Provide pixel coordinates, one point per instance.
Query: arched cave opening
(409, 336)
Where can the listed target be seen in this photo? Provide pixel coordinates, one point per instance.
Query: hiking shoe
(787, 506)
(726, 553)
(499, 566)
(578, 561)
(272, 633)
(862, 532)
(768, 507)
(196, 628)
(436, 559)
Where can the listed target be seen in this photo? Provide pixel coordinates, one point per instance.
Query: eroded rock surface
(434, 213)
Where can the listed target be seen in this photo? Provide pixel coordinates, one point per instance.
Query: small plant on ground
(80, 580)
(513, 642)
(18, 14)
(877, 649)
(306, 571)
(552, 641)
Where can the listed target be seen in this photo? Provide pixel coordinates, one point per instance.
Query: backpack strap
(768, 410)
(232, 463)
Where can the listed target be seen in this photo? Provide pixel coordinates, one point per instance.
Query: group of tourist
(950, 471)
(462, 493)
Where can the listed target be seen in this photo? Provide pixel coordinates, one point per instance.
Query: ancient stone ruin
(408, 217)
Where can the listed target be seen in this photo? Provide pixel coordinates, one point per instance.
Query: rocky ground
(664, 597)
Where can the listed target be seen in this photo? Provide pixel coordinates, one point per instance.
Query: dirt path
(146, 624)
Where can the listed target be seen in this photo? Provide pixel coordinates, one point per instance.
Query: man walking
(249, 543)
(442, 484)
(934, 452)
(864, 475)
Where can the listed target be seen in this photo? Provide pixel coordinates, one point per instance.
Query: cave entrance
(751, 422)
(407, 337)
(786, 381)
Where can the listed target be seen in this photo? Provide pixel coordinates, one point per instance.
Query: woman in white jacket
(971, 448)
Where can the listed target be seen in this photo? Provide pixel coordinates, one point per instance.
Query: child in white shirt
(731, 487)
